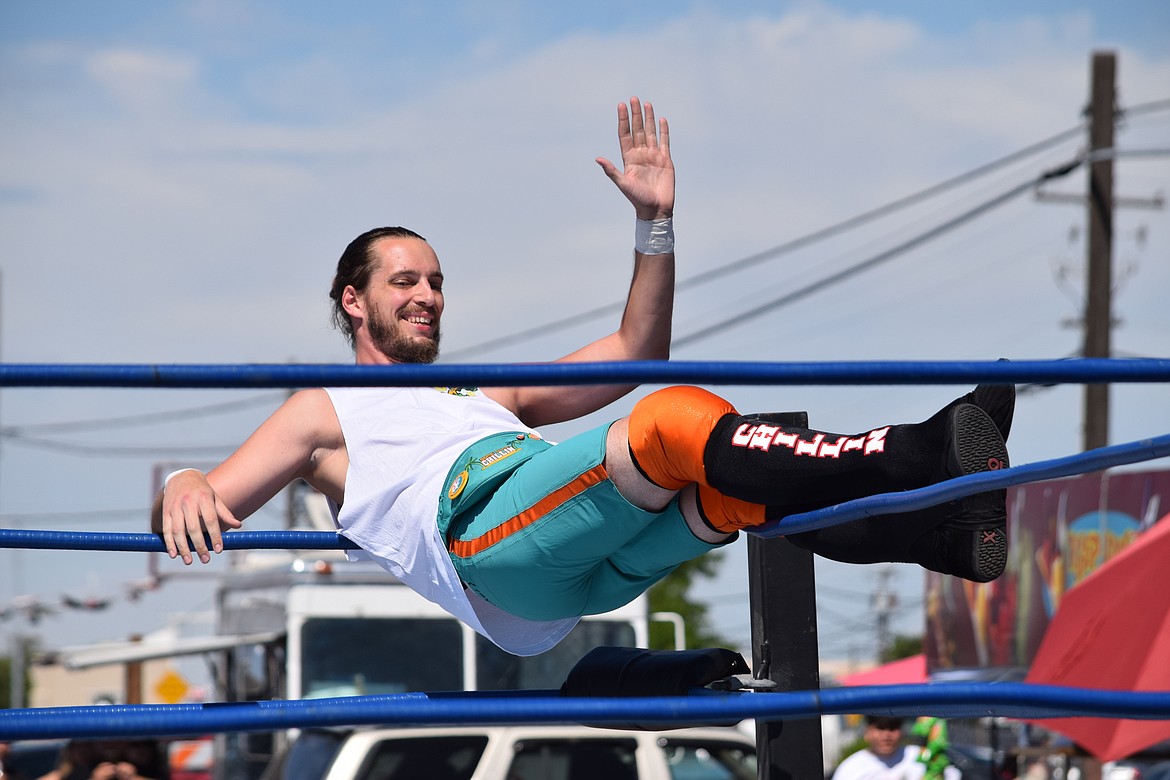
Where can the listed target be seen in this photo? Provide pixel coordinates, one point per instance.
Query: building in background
(1060, 531)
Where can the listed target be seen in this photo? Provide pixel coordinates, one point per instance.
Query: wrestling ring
(942, 699)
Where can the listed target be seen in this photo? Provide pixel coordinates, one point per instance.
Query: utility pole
(883, 602)
(1099, 282)
(1101, 203)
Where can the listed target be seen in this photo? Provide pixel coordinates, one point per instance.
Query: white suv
(521, 753)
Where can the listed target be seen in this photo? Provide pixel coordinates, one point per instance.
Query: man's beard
(390, 341)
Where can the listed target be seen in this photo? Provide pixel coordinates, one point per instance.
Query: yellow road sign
(171, 687)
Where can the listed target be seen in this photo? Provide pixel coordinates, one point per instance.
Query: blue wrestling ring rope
(871, 506)
(1083, 370)
(1021, 700)
(949, 700)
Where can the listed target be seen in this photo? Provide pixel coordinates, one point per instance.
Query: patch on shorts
(496, 456)
(457, 485)
(485, 462)
(508, 450)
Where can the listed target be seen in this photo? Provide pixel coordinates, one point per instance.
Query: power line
(878, 259)
(782, 249)
(11, 519)
(19, 434)
(880, 211)
(828, 590)
(144, 419)
(1147, 108)
(117, 450)
(862, 620)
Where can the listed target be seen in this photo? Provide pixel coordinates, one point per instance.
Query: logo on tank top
(462, 392)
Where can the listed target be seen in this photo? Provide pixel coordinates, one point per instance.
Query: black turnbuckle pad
(631, 671)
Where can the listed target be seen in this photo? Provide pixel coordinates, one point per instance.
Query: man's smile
(421, 321)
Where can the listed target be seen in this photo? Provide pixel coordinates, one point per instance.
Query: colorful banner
(1059, 532)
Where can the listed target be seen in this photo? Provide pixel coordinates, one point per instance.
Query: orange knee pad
(668, 433)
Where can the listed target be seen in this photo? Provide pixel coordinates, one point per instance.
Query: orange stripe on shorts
(465, 548)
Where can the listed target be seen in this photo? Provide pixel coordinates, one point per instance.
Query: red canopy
(904, 671)
(1112, 631)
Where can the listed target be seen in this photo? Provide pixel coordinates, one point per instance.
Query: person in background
(106, 760)
(886, 756)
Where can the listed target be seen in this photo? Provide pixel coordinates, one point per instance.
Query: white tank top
(401, 444)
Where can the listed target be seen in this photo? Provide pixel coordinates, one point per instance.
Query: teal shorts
(541, 532)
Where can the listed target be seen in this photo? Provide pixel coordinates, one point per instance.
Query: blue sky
(177, 179)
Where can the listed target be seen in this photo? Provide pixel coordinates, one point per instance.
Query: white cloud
(143, 81)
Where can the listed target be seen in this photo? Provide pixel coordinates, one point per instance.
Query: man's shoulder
(312, 411)
(854, 763)
(308, 401)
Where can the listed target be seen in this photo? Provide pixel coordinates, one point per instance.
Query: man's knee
(726, 514)
(668, 433)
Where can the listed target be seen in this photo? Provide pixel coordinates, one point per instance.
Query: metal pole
(680, 627)
(17, 666)
(782, 588)
(784, 650)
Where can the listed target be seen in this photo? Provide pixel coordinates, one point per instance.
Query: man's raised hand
(647, 178)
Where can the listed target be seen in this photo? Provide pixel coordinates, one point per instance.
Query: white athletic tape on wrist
(174, 474)
(654, 236)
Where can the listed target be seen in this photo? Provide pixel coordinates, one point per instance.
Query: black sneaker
(972, 541)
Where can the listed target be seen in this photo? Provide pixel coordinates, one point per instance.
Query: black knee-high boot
(780, 466)
(790, 470)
